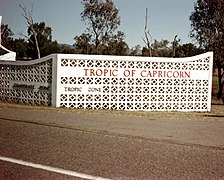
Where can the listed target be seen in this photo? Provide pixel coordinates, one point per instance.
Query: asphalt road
(101, 147)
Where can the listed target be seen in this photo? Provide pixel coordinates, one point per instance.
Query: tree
(50, 47)
(66, 49)
(6, 35)
(208, 29)
(174, 45)
(117, 45)
(28, 15)
(44, 38)
(20, 47)
(136, 51)
(82, 43)
(160, 48)
(188, 50)
(102, 19)
(148, 37)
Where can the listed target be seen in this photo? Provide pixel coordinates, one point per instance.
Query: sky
(166, 18)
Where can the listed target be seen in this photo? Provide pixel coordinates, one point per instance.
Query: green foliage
(188, 50)
(82, 43)
(20, 47)
(116, 45)
(44, 38)
(49, 47)
(208, 29)
(6, 35)
(161, 49)
(102, 20)
(66, 49)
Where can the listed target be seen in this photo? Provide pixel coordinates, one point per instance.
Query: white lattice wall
(134, 83)
(110, 82)
(27, 82)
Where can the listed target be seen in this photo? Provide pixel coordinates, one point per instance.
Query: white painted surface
(51, 169)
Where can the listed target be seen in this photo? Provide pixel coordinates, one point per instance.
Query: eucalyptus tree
(207, 24)
(43, 35)
(102, 19)
(28, 15)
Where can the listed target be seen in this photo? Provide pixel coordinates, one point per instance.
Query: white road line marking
(52, 169)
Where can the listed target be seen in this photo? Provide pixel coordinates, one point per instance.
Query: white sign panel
(135, 83)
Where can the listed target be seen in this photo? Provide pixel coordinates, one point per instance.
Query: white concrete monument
(110, 82)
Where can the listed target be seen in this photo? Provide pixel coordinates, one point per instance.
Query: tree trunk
(147, 35)
(220, 82)
(97, 43)
(36, 41)
(174, 45)
(37, 45)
